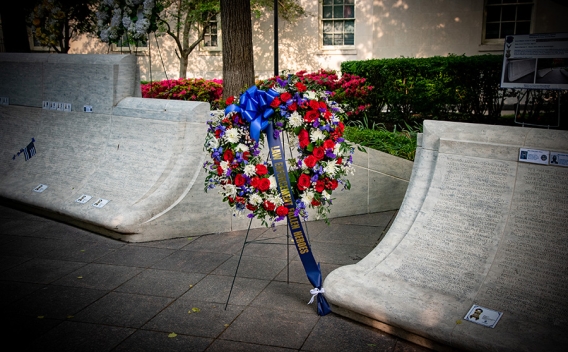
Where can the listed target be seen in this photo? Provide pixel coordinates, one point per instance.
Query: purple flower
(329, 154)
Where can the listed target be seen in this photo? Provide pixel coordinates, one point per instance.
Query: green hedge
(447, 88)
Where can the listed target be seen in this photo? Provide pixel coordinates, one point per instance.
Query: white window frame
(130, 49)
(338, 48)
(211, 50)
(500, 41)
(33, 46)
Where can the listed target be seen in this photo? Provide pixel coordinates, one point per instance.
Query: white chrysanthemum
(279, 89)
(272, 180)
(310, 94)
(241, 148)
(316, 135)
(348, 170)
(255, 199)
(212, 143)
(250, 170)
(275, 199)
(232, 135)
(229, 190)
(337, 149)
(224, 165)
(325, 195)
(330, 168)
(307, 197)
(296, 120)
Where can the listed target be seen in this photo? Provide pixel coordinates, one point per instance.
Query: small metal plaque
(60, 106)
(4, 101)
(100, 203)
(52, 105)
(558, 159)
(45, 104)
(483, 316)
(87, 108)
(534, 156)
(40, 188)
(83, 199)
(66, 107)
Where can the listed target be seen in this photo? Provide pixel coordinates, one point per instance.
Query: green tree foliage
(55, 22)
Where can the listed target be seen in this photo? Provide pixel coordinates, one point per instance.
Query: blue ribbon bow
(255, 109)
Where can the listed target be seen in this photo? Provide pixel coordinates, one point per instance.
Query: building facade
(343, 30)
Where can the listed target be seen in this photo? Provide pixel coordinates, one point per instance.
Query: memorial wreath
(313, 125)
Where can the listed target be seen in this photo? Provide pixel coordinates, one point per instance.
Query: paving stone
(217, 289)
(41, 271)
(123, 309)
(193, 262)
(132, 255)
(99, 276)
(143, 340)
(163, 283)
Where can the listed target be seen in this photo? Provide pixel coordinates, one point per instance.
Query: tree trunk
(238, 60)
(183, 65)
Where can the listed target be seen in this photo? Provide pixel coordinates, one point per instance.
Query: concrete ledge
(476, 226)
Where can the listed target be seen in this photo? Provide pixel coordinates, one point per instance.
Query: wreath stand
(288, 238)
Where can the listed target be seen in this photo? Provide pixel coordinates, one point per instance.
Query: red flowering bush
(194, 89)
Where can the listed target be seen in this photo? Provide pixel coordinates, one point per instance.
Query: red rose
(246, 155)
(219, 170)
(322, 105)
(314, 104)
(264, 184)
(254, 182)
(319, 153)
(327, 115)
(230, 100)
(339, 161)
(217, 134)
(315, 203)
(240, 180)
(281, 211)
(304, 182)
(330, 184)
(251, 207)
(304, 138)
(320, 186)
(228, 155)
(310, 161)
(311, 116)
(261, 170)
(301, 87)
(275, 103)
(269, 206)
(341, 127)
(285, 96)
(293, 107)
(328, 144)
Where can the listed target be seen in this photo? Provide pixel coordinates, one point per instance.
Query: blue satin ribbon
(255, 109)
(311, 267)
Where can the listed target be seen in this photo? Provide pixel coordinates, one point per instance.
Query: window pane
(214, 40)
(338, 12)
(327, 26)
(492, 2)
(349, 1)
(327, 39)
(213, 27)
(338, 26)
(207, 41)
(507, 29)
(524, 12)
(493, 14)
(348, 39)
(523, 28)
(338, 1)
(492, 31)
(508, 13)
(327, 2)
(338, 39)
(328, 12)
(349, 26)
(349, 11)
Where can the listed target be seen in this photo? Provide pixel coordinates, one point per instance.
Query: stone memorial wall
(129, 167)
(478, 226)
